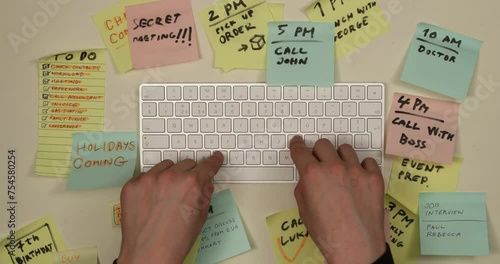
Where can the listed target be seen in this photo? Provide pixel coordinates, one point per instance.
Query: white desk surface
(84, 216)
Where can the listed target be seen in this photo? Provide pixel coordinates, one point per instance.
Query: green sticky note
(300, 53)
(223, 235)
(453, 224)
(441, 61)
(102, 159)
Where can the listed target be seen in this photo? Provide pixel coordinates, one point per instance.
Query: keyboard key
(357, 92)
(374, 92)
(236, 157)
(170, 155)
(211, 141)
(174, 93)
(207, 92)
(310, 140)
(340, 125)
(146, 168)
(186, 154)
(224, 125)
(361, 141)
(248, 109)
(156, 93)
(151, 157)
(190, 93)
(324, 93)
(240, 92)
(349, 109)
(201, 155)
(257, 125)
(254, 174)
(307, 125)
(199, 109)
(282, 109)
(375, 128)
(214, 109)
(357, 125)
(182, 109)
(253, 157)
(341, 92)
(344, 139)
(278, 141)
(274, 93)
(324, 125)
(149, 109)
(153, 125)
(165, 109)
(207, 125)
(270, 157)
(223, 92)
(228, 141)
(195, 141)
(285, 157)
(174, 125)
(155, 142)
(265, 109)
(307, 92)
(290, 125)
(232, 109)
(299, 109)
(261, 141)
(257, 92)
(316, 109)
(331, 138)
(273, 125)
(225, 155)
(332, 109)
(375, 154)
(370, 109)
(240, 125)
(290, 92)
(244, 141)
(178, 141)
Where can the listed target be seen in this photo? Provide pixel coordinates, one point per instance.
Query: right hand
(341, 201)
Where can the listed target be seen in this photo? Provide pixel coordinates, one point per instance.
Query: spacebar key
(254, 174)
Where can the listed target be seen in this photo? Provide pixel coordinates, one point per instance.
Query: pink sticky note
(422, 128)
(161, 33)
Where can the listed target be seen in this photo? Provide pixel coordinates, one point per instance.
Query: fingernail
(296, 138)
(218, 154)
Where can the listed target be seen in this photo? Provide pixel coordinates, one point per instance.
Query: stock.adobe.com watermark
(31, 25)
(11, 199)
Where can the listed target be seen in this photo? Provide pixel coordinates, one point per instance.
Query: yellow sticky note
(357, 22)
(116, 213)
(112, 25)
(409, 177)
(290, 240)
(33, 243)
(87, 255)
(71, 99)
(237, 31)
(403, 232)
(191, 256)
(277, 10)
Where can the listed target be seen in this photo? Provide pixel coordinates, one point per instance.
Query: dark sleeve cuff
(386, 258)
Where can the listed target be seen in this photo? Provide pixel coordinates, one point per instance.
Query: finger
(184, 165)
(209, 166)
(301, 156)
(347, 154)
(370, 165)
(325, 151)
(161, 166)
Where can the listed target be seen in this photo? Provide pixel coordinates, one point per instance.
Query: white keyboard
(252, 123)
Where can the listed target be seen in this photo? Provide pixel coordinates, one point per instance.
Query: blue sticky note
(441, 61)
(223, 235)
(300, 53)
(453, 224)
(102, 159)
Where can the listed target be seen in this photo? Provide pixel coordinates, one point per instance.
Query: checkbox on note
(46, 66)
(44, 118)
(45, 103)
(44, 125)
(44, 111)
(45, 73)
(45, 81)
(45, 96)
(45, 88)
